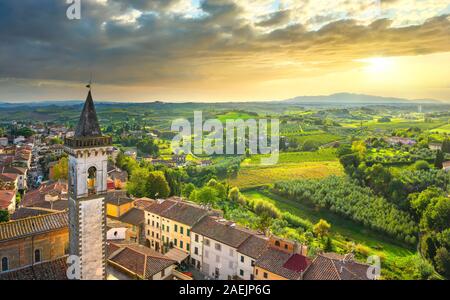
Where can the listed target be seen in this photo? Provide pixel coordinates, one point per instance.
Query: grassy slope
(344, 230)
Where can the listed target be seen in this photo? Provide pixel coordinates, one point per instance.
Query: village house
(446, 166)
(176, 225)
(215, 244)
(435, 146)
(30, 241)
(248, 252)
(131, 262)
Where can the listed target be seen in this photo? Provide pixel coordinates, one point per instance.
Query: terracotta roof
(117, 198)
(8, 177)
(50, 270)
(160, 206)
(254, 246)
(140, 260)
(185, 213)
(35, 225)
(331, 266)
(283, 264)
(37, 197)
(27, 212)
(6, 198)
(14, 170)
(221, 231)
(143, 203)
(134, 216)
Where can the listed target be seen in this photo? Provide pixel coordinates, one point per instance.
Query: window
(277, 243)
(266, 275)
(196, 251)
(218, 247)
(253, 263)
(148, 232)
(175, 242)
(148, 222)
(37, 255)
(181, 244)
(196, 238)
(162, 238)
(207, 242)
(256, 271)
(5, 266)
(167, 228)
(181, 230)
(285, 246)
(162, 226)
(157, 235)
(175, 228)
(153, 234)
(188, 232)
(157, 225)
(241, 272)
(242, 259)
(188, 247)
(153, 223)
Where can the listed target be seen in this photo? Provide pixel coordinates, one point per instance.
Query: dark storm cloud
(39, 42)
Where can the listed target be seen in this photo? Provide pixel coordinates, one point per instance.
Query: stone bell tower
(87, 189)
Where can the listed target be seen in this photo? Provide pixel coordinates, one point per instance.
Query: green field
(254, 176)
(395, 256)
(235, 115)
(296, 157)
(442, 129)
(403, 124)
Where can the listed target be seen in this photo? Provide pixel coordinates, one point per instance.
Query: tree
(61, 169)
(442, 261)
(421, 165)
(446, 146)
(359, 147)
(138, 183)
(328, 247)
(158, 187)
(265, 208)
(4, 216)
(264, 223)
(439, 160)
(234, 194)
(322, 228)
(206, 195)
(437, 215)
(187, 190)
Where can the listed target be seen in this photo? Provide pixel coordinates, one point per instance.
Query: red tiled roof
(50, 270)
(35, 225)
(140, 260)
(281, 263)
(332, 266)
(297, 263)
(8, 177)
(6, 197)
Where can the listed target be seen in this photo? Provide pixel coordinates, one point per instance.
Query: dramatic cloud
(159, 44)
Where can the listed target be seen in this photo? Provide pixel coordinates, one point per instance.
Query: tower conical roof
(88, 124)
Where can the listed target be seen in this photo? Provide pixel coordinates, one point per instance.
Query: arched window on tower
(37, 256)
(91, 181)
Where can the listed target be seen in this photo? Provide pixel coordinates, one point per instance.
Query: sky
(224, 50)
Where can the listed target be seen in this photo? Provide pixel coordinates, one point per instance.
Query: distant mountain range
(341, 98)
(349, 98)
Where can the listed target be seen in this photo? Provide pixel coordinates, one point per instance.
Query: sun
(377, 64)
